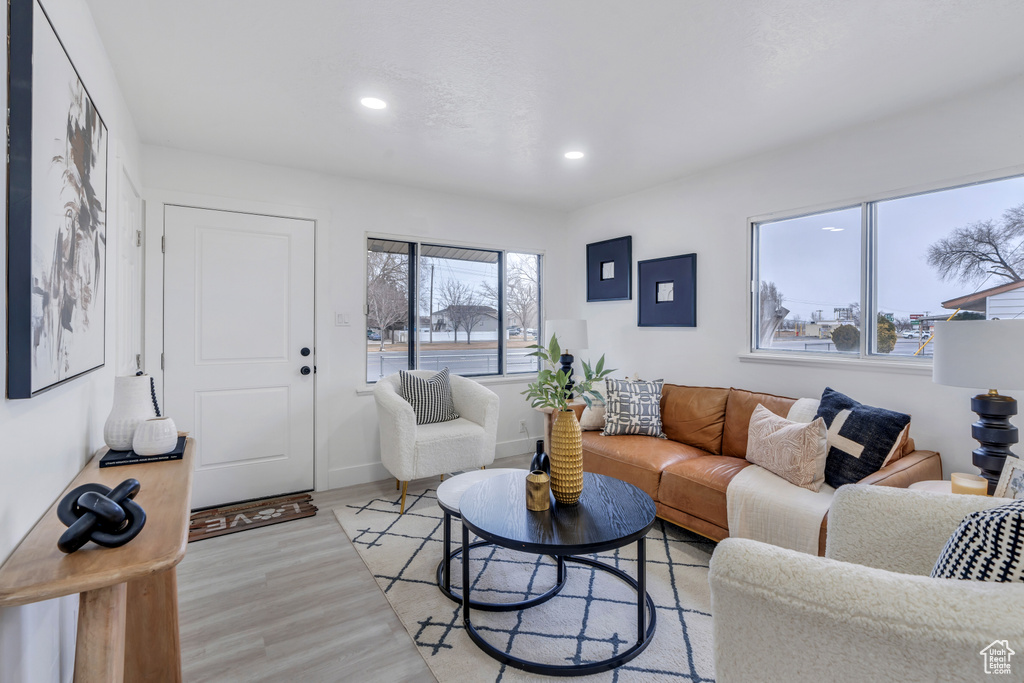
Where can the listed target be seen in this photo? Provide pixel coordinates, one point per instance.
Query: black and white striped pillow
(430, 398)
(987, 546)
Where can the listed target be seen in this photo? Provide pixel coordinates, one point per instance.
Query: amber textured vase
(566, 458)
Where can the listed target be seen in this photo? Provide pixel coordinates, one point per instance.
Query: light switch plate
(342, 319)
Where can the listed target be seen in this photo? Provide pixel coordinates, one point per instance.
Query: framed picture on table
(1011, 481)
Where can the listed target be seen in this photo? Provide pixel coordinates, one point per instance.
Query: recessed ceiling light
(574, 155)
(373, 103)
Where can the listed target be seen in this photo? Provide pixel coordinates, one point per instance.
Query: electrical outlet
(522, 426)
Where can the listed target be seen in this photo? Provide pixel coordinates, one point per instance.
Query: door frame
(153, 338)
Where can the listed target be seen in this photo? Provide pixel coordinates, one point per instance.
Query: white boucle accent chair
(411, 451)
(868, 610)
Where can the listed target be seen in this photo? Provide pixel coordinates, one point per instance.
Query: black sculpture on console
(107, 517)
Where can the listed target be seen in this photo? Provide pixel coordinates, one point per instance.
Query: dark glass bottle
(540, 459)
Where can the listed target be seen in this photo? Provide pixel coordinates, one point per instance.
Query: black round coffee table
(609, 515)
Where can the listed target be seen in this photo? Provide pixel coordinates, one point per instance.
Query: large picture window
(431, 306)
(872, 279)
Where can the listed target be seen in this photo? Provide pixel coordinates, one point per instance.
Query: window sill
(521, 378)
(904, 367)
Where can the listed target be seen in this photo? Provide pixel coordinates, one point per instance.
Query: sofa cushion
(985, 547)
(794, 451)
(694, 415)
(738, 410)
(860, 437)
(633, 408)
(698, 486)
(636, 459)
(430, 397)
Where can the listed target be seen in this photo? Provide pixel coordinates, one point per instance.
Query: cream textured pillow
(795, 451)
(592, 419)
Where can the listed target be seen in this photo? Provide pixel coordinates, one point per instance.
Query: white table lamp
(984, 354)
(572, 334)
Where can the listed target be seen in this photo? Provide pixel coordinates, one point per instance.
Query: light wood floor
(294, 602)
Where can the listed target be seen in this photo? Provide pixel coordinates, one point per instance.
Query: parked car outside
(373, 336)
(515, 331)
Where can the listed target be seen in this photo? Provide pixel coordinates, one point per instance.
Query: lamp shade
(981, 354)
(572, 334)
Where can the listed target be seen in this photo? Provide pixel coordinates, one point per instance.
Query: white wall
(345, 210)
(708, 214)
(45, 441)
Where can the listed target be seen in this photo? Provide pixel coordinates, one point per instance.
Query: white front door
(128, 349)
(238, 317)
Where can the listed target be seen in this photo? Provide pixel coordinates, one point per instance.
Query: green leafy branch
(550, 389)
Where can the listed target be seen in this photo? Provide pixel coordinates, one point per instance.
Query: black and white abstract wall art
(57, 200)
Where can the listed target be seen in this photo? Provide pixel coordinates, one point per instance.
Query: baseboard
(506, 449)
(356, 474)
(374, 471)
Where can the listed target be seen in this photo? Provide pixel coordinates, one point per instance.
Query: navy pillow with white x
(859, 437)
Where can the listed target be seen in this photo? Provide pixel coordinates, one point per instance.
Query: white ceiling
(485, 96)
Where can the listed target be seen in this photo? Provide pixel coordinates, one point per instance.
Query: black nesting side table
(610, 514)
(449, 496)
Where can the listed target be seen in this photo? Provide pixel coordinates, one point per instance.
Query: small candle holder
(538, 491)
(970, 484)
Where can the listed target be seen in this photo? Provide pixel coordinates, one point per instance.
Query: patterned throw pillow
(430, 398)
(860, 437)
(794, 451)
(987, 546)
(633, 408)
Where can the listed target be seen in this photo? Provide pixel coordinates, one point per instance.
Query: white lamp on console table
(983, 354)
(572, 335)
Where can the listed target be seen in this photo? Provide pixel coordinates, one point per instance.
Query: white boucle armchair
(410, 451)
(867, 611)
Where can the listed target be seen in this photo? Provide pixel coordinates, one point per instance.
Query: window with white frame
(872, 279)
(430, 306)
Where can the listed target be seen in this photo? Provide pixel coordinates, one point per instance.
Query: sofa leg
(397, 484)
(405, 487)
(442, 477)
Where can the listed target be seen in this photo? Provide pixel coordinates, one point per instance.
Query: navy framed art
(667, 291)
(610, 270)
(56, 212)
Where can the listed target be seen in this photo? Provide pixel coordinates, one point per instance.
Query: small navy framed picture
(667, 291)
(610, 270)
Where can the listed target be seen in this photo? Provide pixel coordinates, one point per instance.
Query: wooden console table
(128, 608)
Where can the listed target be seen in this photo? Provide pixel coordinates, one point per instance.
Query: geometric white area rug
(592, 618)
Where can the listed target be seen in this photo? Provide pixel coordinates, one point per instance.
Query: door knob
(305, 370)
(304, 351)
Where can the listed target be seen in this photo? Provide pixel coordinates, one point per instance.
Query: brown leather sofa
(688, 473)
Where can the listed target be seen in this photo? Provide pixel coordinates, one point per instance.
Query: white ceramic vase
(155, 436)
(133, 404)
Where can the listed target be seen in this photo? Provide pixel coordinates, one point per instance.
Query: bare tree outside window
(975, 252)
(386, 292)
(771, 312)
(521, 293)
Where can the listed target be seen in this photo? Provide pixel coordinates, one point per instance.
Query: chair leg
(396, 484)
(405, 487)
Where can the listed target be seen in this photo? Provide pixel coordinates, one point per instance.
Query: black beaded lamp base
(995, 434)
(567, 361)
